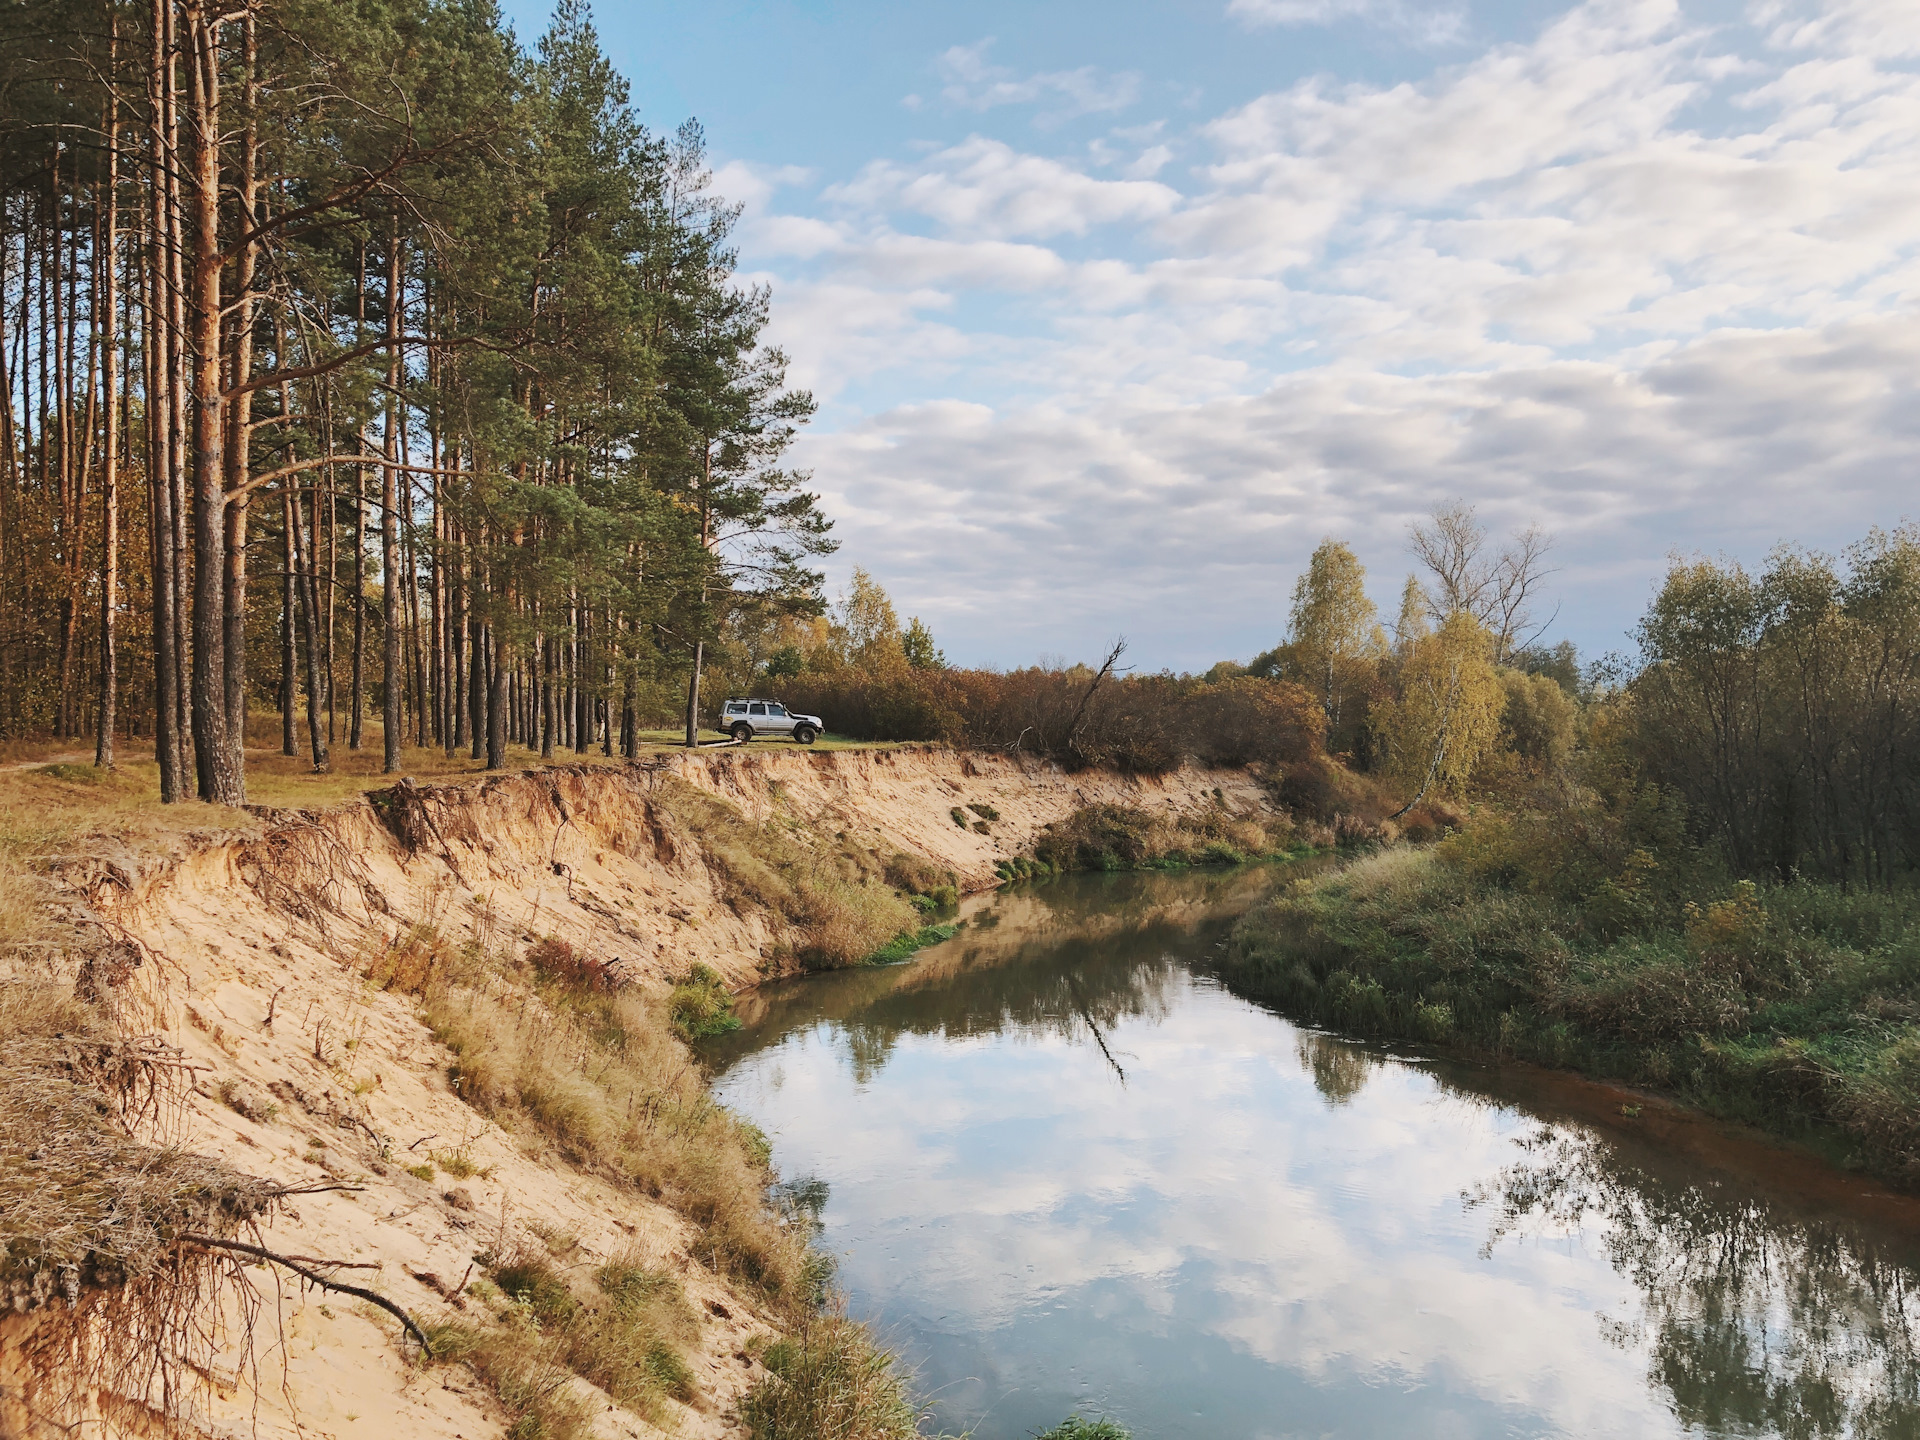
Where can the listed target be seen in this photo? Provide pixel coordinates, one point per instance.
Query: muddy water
(1061, 1167)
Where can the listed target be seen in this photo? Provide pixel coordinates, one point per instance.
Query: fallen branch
(289, 1262)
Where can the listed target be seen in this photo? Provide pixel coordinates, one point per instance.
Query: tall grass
(829, 1381)
(600, 1074)
(625, 1333)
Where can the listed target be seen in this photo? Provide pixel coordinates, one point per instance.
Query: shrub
(555, 960)
(1139, 723)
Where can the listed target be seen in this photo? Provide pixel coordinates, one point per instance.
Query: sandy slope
(310, 1075)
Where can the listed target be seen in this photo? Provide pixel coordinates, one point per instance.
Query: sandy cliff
(254, 955)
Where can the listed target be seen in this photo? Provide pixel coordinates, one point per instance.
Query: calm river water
(1061, 1167)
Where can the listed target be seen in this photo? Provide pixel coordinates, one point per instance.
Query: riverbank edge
(1275, 950)
(594, 857)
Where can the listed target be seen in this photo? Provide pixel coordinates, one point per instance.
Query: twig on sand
(292, 1263)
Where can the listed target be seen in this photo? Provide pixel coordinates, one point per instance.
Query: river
(1061, 1167)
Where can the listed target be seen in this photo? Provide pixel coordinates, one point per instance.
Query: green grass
(1794, 1007)
(1078, 1427)
(701, 1005)
(829, 1381)
(909, 942)
(1116, 837)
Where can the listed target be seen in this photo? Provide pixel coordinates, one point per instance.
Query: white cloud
(984, 187)
(974, 84)
(1424, 20)
(1649, 282)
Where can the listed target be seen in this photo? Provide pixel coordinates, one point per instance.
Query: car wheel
(804, 734)
(742, 733)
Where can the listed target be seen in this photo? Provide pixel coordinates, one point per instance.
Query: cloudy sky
(1116, 308)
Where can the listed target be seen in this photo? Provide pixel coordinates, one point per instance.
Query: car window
(733, 709)
(756, 709)
(779, 710)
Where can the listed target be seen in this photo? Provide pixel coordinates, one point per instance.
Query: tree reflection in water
(1757, 1321)
(1070, 961)
(1340, 1069)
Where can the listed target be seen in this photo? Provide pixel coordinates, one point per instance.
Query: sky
(1114, 310)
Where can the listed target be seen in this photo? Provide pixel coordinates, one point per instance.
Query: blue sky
(1116, 310)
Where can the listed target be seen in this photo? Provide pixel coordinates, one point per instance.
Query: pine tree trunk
(110, 444)
(308, 587)
(497, 707)
(156, 350)
(289, 659)
(221, 780)
(693, 694)
(390, 587)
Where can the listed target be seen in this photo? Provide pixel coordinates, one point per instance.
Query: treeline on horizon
(361, 362)
(1772, 716)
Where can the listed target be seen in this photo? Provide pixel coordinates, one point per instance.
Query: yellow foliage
(1727, 924)
(1449, 710)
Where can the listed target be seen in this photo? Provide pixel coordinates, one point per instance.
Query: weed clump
(701, 1005)
(909, 942)
(828, 1378)
(1078, 1427)
(626, 1335)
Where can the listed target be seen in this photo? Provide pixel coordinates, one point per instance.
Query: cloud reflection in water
(1262, 1231)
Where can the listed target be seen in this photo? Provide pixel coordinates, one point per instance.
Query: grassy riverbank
(1794, 1007)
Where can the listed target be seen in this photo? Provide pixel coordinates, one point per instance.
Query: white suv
(744, 719)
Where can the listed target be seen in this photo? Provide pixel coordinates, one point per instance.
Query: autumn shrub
(559, 962)
(1138, 724)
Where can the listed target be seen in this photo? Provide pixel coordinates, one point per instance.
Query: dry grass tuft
(834, 894)
(626, 1335)
(601, 1075)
